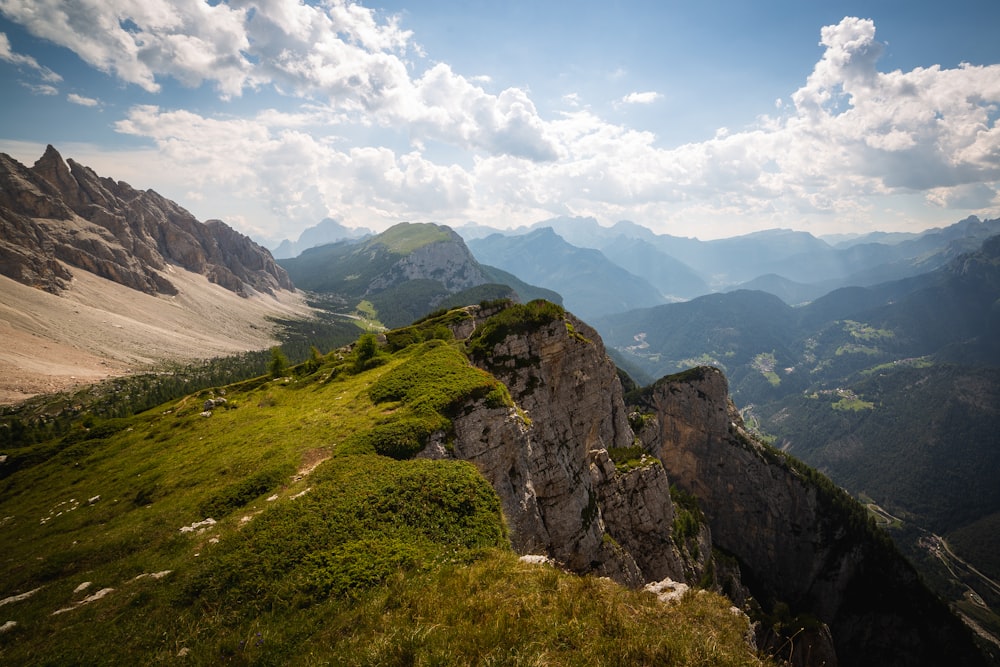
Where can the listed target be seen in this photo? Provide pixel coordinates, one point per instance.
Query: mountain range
(397, 473)
(892, 390)
(327, 231)
(404, 273)
(100, 279)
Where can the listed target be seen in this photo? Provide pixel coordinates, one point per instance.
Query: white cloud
(338, 53)
(41, 89)
(298, 177)
(20, 60)
(83, 101)
(138, 40)
(647, 97)
(850, 137)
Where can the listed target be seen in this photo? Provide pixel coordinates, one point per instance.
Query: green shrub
(436, 379)
(239, 494)
(626, 458)
(355, 566)
(398, 439)
(278, 364)
(517, 319)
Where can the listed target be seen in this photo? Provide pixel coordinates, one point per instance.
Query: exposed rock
(792, 538)
(639, 515)
(667, 590)
(561, 494)
(798, 540)
(62, 213)
(448, 262)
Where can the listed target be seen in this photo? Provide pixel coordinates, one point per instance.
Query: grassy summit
(290, 526)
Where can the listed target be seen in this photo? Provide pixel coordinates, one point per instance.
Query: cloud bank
(850, 142)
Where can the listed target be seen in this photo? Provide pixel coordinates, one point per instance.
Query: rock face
(548, 460)
(61, 213)
(799, 539)
(798, 542)
(447, 261)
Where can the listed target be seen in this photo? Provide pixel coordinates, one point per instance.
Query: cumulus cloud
(848, 136)
(300, 177)
(338, 52)
(138, 40)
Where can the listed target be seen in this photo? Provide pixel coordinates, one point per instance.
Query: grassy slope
(323, 550)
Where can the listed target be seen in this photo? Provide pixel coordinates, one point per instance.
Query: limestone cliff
(60, 213)
(790, 537)
(446, 260)
(800, 540)
(548, 457)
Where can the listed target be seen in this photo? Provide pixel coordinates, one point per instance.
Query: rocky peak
(63, 212)
(799, 539)
(548, 458)
(445, 260)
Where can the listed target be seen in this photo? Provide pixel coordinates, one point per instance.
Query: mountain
(942, 312)
(64, 212)
(100, 279)
(670, 276)
(795, 266)
(729, 330)
(891, 390)
(589, 282)
(327, 231)
(789, 291)
(405, 272)
(368, 508)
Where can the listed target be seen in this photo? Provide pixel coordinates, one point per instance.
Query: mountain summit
(60, 213)
(98, 279)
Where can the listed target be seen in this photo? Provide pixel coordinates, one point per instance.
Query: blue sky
(705, 119)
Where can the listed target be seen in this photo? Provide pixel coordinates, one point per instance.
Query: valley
(386, 423)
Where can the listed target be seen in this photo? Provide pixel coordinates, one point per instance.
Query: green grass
(862, 331)
(852, 404)
(627, 458)
(404, 238)
(320, 550)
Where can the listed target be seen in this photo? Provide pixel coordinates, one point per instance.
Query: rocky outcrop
(549, 460)
(60, 213)
(828, 588)
(800, 541)
(448, 262)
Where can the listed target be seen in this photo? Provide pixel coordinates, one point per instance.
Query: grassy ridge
(268, 533)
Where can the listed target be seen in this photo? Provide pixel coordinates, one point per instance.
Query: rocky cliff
(548, 458)
(446, 260)
(59, 214)
(800, 541)
(818, 570)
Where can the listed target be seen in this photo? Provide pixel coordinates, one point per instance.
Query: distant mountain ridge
(59, 211)
(793, 265)
(591, 284)
(100, 279)
(891, 390)
(327, 231)
(405, 272)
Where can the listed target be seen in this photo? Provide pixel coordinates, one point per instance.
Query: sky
(704, 119)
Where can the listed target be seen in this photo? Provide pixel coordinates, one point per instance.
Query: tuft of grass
(627, 458)
(498, 610)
